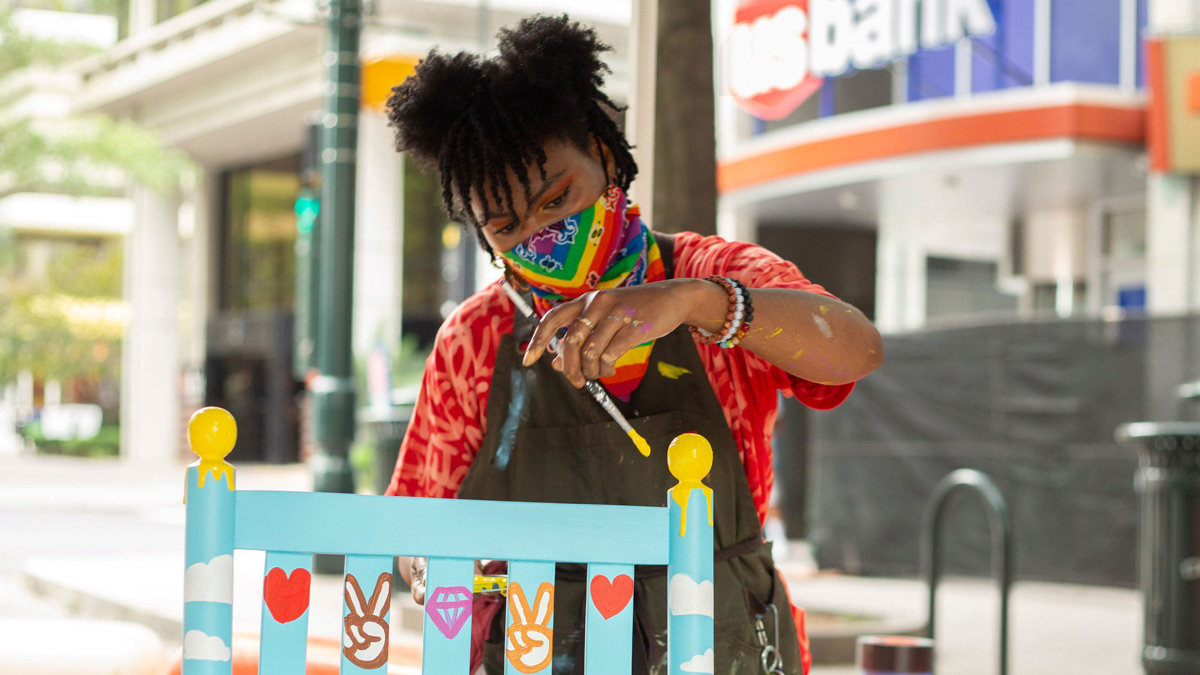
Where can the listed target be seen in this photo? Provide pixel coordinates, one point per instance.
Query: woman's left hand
(603, 325)
(808, 335)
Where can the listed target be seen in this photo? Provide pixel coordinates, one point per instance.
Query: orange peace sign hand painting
(529, 637)
(365, 638)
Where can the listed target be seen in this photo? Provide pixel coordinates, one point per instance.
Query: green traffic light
(306, 205)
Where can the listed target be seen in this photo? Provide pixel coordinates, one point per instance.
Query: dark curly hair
(473, 119)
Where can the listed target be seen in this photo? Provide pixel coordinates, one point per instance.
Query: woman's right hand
(413, 571)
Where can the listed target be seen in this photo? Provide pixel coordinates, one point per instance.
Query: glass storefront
(258, 241)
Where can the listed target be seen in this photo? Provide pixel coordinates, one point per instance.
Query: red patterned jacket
(448, 423)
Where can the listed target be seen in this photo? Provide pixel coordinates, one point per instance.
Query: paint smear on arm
(823, 326)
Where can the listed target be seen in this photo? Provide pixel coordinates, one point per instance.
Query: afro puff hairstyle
(473, 119)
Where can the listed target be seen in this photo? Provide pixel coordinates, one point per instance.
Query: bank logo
(780, 51)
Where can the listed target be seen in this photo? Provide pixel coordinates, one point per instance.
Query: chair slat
(287, 580)
(366, 605)
(608, 642)
(208, 579)
(690, 585)
(350, 524)
(529, 585)
(447, 632)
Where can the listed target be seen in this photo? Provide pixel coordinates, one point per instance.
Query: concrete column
(150, 412)
(1172, 233)
(900, 282)
(736, 223)
(1173, 202)
(197, 231)
(901, 288)
(379, 243)
(639, 119)
(141, 16)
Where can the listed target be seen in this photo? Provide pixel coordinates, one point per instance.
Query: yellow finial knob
(689, 457)
(212, 433)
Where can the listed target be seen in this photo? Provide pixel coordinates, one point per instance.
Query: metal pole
(1002, 544)
(333, 389)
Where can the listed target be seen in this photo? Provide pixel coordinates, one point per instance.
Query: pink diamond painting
(449, 607)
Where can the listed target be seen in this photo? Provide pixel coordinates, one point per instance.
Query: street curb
(82, 604)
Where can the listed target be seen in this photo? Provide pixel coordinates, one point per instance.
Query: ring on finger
(587, 322)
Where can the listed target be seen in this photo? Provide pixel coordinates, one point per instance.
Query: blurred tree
(83, 154)
(64, 320)
(65, 325)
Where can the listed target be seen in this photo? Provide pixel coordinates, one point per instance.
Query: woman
(690, 333)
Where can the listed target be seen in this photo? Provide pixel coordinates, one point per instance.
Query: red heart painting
(610, 597)
(286, 594)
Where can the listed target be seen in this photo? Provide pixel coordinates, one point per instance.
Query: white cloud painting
(688, 597)
(204, 647)
(211, 581)
(700, 663)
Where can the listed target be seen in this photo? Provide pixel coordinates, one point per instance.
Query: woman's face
(575, 179)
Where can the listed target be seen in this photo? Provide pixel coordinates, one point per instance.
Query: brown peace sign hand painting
(365, 638)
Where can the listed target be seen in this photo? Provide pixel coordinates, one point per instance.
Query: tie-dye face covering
(605, 246)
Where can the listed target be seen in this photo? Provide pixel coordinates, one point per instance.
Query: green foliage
(107, 443)
(408, 362)
(66, 325)
(79, 154)
(75, 160)
(19, 51)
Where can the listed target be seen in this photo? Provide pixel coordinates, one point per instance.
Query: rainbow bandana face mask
(605, 246)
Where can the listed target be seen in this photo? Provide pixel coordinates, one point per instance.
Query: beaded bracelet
(737, 319)
(747, 316)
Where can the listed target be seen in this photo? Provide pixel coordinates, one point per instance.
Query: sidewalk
(1056, 629)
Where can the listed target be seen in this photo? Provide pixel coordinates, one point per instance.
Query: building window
(1004, 59)
(931, 74)
(258, 258)
(854, 91)
(1085, 41)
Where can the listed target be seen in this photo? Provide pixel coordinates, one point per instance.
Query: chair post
(690, 569)
(208, 549)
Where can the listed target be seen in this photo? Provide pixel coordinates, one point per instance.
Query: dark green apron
(549, 442)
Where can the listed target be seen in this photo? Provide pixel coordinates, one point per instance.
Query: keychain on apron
(772, 661)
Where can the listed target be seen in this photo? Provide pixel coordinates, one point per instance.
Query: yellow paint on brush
(672, 372)
(486, 584)
(689, 458)
(642, 446)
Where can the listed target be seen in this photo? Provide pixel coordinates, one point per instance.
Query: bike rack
(1002, 544)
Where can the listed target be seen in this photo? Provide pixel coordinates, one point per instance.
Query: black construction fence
(1032, 404)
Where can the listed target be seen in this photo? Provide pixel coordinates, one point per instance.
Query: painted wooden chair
(369, 530)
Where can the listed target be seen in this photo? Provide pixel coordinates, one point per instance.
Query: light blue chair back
(371, 530)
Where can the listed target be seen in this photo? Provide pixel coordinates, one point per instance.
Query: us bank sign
(780, 50)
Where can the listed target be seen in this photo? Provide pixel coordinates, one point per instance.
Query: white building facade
(211, 269)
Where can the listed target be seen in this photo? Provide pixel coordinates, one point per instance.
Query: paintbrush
(593, 387)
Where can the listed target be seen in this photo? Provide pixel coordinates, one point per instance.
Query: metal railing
(1002, 542)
